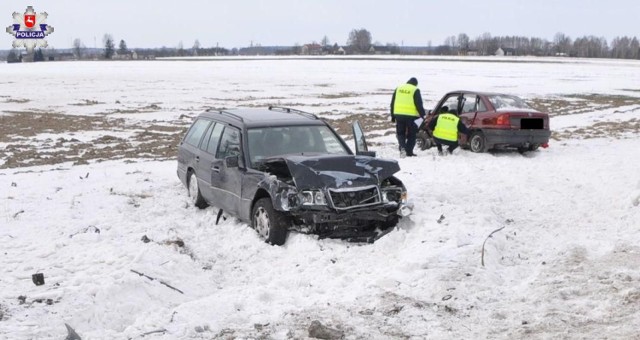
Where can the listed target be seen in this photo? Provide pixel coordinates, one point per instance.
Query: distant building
(128, 55)
(505, 51)
(62, 57)
(383, 49)
(469, 52)
(311, 49)
(142, 55)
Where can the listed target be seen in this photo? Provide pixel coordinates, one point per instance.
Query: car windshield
(286, 140)
(504, 102)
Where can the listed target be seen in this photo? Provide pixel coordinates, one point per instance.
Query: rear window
(504, 102)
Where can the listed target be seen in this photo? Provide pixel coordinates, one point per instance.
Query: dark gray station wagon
(281, 169)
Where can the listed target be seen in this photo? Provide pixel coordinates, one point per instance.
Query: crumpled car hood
(342, 171)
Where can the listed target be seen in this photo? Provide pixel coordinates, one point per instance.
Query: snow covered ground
(565, 265)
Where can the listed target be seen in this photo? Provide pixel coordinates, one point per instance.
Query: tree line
(360, 41)
(582, 47)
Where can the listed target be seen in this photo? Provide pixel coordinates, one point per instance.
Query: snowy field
(89, 197)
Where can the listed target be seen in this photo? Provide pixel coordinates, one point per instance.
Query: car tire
(477, 142)
(193, 190)
(270, 224)
(423, 141)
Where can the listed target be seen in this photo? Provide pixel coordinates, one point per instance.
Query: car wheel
(534, 147)
(269, 223)
(423, 141)
(194, 191)
(477, 142)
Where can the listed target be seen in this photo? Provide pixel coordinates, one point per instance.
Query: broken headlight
(396, 195)
(312, 197)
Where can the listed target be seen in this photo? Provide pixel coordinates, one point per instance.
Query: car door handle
(197, 158)
(216, 169)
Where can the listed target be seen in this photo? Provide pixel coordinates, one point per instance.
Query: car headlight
(312, 197)
(397, 196)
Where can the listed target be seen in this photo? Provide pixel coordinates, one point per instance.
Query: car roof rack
(290, 110)
(223, 112)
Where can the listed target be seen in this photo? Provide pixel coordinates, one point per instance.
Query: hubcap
(262, 222)
(476, 143)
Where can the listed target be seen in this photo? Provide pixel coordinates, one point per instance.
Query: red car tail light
(503, 119)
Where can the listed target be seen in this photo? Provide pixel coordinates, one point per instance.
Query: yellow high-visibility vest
(447, 127)
(403, 104)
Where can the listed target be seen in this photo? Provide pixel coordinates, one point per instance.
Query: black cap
(413, 81)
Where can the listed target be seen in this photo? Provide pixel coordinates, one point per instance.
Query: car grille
(350, 198)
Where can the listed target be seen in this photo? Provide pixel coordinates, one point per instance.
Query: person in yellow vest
(406, 107)
(445, 128)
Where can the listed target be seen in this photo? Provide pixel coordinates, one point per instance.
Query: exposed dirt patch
(232, 101)
(16, 100)
(581, 103)
(338, 95)
(155, 141)
(144, 109)
(600, 130)
(28, 123)
(86, 102)
(120, 139)
(369, 122)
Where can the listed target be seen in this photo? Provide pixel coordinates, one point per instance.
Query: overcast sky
(238, 23)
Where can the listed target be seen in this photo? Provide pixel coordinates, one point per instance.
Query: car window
(196, 131)
(481, 106)
(449, 105)
(283, 140)
(331, 142)
(207, 136)
(229, 143)
(505, 102)
(473, 103)
(216, 132)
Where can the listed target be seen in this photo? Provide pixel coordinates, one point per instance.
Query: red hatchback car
(496, 121)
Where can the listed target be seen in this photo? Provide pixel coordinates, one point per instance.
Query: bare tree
(181, 49)
(485, 44)
(325, 41)
(109, 46)
(78, 48)
(562, 43)
(635, 48)
(13, 56)
(196, 47)
(122, 48)
(463, 42)
(360, 40)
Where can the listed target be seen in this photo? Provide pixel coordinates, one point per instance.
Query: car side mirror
(232, 161)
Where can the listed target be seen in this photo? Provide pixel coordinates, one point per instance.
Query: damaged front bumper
(357, 225)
